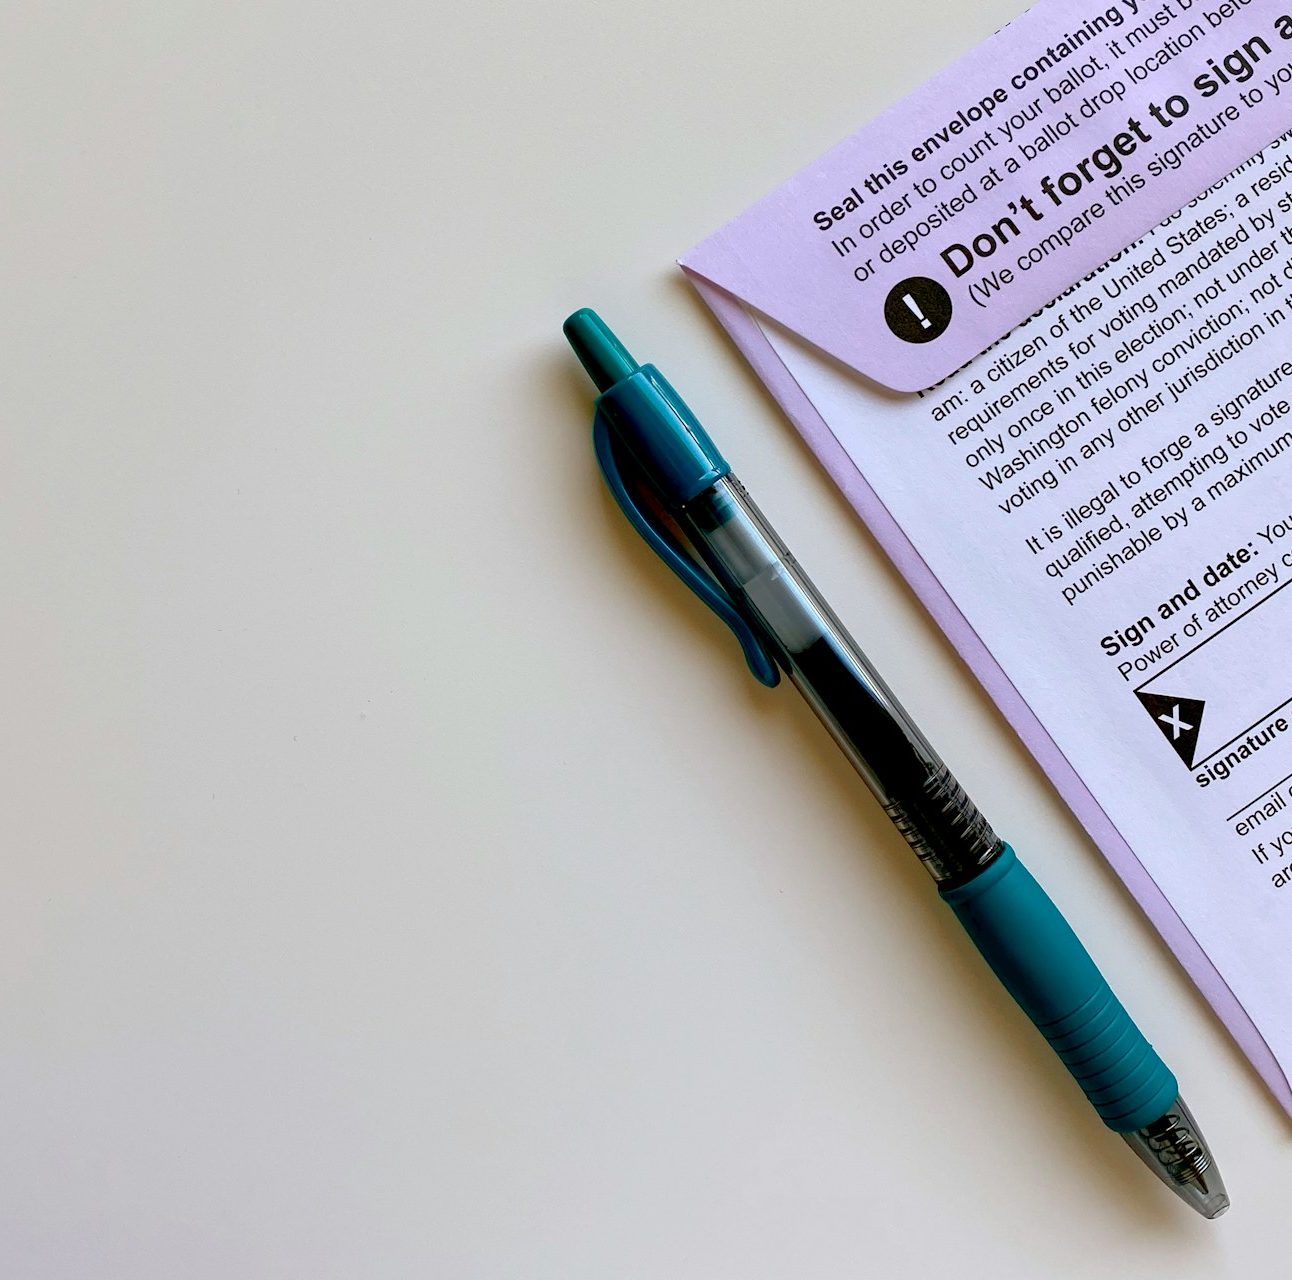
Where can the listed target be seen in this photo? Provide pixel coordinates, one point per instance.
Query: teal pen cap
(646, 415)
(645, 436)
(602, 354)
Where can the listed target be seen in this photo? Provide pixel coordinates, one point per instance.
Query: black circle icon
(917, 309)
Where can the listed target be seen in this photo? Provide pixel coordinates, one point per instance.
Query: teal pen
(669, 479)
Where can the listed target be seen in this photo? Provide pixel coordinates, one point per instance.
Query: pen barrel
(1040, 961)
(952, 839)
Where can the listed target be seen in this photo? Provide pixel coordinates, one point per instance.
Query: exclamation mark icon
(917, 309)
(925, 322)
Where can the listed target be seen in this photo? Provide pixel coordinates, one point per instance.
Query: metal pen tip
(1175, 1150)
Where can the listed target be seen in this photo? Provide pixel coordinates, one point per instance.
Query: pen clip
(662, 541)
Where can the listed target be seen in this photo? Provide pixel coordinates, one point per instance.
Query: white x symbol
(1177, 725)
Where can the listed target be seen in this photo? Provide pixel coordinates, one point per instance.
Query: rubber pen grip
(1031, 948)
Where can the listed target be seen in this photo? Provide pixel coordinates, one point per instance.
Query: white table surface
(404, 876)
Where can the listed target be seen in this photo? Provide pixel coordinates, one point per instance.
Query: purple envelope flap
(964, 210)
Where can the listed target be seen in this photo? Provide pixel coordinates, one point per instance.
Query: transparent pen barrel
(919, 793)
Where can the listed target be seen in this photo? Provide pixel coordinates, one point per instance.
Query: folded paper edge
(729, 287)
